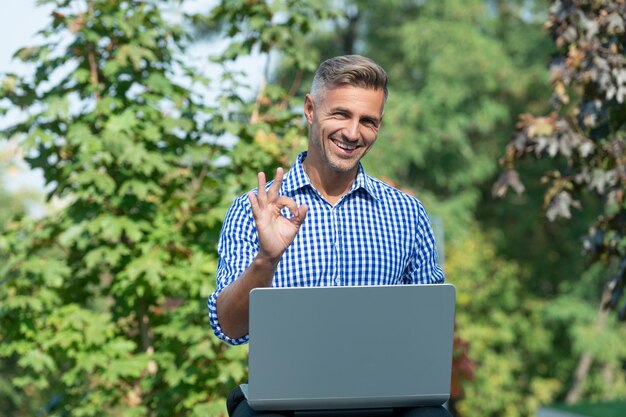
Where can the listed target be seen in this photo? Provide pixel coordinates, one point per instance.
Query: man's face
(344, 126)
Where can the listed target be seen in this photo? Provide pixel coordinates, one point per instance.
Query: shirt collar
(297, 178)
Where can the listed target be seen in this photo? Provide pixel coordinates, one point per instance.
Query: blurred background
(128, 127)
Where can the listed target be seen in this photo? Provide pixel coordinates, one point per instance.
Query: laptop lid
(320, 348)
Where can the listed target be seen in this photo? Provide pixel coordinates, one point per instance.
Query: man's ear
(309, 108)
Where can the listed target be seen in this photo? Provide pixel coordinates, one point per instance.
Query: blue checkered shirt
(374, 235)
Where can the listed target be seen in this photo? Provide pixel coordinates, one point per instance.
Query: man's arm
(275, 233)
(233, 302)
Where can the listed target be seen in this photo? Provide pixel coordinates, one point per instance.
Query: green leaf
(124, 122)
(38, 361)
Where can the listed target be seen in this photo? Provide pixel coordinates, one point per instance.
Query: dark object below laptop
(340, 348)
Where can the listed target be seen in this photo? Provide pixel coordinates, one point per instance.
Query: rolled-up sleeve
(238, 245)
(423, 267)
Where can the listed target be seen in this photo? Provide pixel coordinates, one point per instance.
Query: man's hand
(276, 233)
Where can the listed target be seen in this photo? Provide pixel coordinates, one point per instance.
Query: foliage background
(102, 302)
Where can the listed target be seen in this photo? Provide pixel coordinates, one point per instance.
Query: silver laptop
(357, 348)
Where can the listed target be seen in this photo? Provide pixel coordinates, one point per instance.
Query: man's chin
(342, 166)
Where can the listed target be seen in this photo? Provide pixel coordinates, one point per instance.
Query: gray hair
(353, 70)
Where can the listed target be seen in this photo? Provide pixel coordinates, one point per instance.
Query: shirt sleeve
(423, 267)
(237, 247)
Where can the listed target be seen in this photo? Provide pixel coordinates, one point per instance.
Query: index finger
(272, 194)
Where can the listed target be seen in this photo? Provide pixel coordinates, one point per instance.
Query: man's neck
(332, 185)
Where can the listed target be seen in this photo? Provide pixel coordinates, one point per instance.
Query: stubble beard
(336, 163)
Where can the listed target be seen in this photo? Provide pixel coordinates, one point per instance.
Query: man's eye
(370, 123)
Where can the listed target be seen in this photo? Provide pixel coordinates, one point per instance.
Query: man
(325, 222)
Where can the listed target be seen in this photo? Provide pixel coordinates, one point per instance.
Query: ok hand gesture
(276, 232)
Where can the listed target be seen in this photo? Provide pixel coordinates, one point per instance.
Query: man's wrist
(266, 261)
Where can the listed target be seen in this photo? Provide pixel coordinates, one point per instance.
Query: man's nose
(351, 130)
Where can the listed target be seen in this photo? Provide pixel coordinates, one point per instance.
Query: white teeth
(345, 146)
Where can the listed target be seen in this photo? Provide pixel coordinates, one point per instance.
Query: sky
(19, 22)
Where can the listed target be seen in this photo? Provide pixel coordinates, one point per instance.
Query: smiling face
(344, 123)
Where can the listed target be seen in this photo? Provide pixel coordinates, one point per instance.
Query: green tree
(103, 303)
(507, 337)
(13, 204)
(585, 135)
